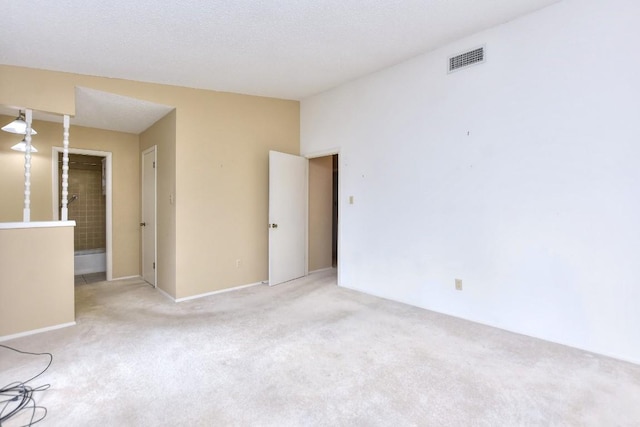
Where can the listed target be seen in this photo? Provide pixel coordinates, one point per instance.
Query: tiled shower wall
(89, 209)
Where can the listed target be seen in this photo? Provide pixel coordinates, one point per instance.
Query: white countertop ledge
(36, 224)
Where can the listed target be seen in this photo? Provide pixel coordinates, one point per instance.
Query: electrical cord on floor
(17, 397)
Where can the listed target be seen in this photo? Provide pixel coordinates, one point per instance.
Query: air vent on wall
(466, 59)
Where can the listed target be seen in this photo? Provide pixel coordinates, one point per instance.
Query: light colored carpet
(308, 353)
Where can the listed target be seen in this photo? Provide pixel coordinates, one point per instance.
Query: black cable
(18, 396)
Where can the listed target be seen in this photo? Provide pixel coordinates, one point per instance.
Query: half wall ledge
(39, 224)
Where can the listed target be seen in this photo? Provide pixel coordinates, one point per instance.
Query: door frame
(108, 195)
(326, 153)
(154, 149)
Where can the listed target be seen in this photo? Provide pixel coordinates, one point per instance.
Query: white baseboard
(217, 292)
(163, 292)
(137, 276)
(36, 331)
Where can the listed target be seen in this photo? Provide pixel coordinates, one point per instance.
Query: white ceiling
(114, 112)
(288, 49)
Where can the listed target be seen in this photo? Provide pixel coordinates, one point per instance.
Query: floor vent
(466, 59)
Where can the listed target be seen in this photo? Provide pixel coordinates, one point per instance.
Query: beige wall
(221, 167)
(163, 135)
(126, 183)
(222, 173)
(320, 212)
(36, 289)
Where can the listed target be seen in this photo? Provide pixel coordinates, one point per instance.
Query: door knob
(273, 225)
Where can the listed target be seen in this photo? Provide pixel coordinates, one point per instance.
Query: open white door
(148, 223)
(288, 216)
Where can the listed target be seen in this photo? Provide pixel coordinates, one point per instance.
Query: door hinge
(154, 165)
(154, 265)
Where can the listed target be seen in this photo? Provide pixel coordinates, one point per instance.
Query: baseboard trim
(36, 331)
(166, 294)
(137, 276)
(236, 288)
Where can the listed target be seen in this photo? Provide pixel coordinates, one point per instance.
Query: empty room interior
(320, 213)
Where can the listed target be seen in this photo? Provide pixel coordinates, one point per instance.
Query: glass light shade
(18, 126)
(22, 146)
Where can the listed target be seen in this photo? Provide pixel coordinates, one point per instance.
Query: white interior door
(148, 223)
(288, 216)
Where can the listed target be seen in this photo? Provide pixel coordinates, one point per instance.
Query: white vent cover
(466, 59)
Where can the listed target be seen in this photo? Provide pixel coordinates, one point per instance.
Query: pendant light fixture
(22, 146)
(19, 126)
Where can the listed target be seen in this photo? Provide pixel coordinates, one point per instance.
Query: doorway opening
(89, 204)
(334, 221)
(323, 212)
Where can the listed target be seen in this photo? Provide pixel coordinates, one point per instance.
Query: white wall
(520, 176)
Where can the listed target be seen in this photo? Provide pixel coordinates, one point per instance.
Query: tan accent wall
(222, 174)
(163, 135)
(37, 89)
(320, 212)
(36, 289)
(126, 183)
(221, 167)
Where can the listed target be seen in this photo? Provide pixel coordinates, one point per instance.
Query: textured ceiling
(114, 112)
(279, 48)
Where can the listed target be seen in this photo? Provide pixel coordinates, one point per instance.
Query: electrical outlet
(458, 284)
(238, 263)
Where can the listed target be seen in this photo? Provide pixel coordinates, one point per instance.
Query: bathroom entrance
(88, 200)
